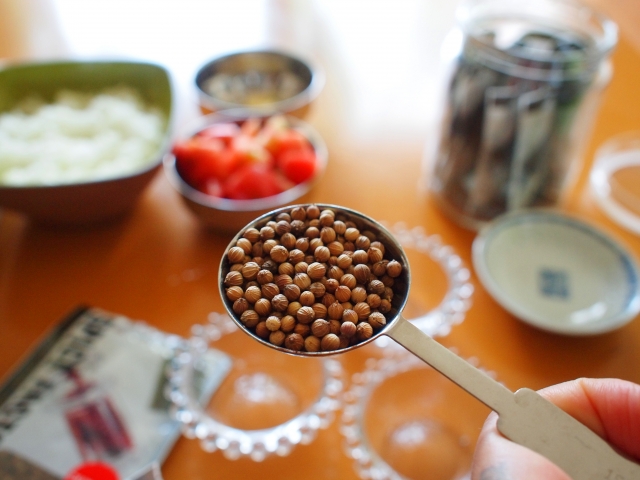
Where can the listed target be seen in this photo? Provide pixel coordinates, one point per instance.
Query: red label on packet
(93, 471)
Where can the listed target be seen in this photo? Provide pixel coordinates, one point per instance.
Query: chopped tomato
(298, 165)
(253, 181)
(288, 139)
(223, 131)
(246, 161)
(200, 159)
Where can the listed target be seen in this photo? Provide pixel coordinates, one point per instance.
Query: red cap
(93, 471)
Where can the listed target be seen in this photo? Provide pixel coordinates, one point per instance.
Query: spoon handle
(525, 417)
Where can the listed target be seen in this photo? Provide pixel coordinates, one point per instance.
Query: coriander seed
(240, 306)
(235, 255)
(277, 338)
(234, 293)
(351, 234)
(283, 216)
(245, 245)
(385, 306)
(334, 325)
(349, 315)
(297, 227)
(362, 242)
(268, 245)
(335, 248)
(318, 289)
(319, 310)
(373, 300)
(362, 309)
(293, 308)
(262, 331)
(264, 276)
(312, 344)
(279, 253)
(335, 272)
(249, 318)
(273, 323)
(301, 267)
(343, 293)
(307, 298)
(322, 254)
(251, 234)
(233, 279)
(377, 320)
(305, 315)
(327, 235)
(292, 292)
(331, 284)
(362, 273)
(294, 342)
(328, 299)
(287, 323)
(267, 233)
(348, 280)
(335, 311)
(329, 342)
(311, 233)
(302, 280)
(302, 244)
(283, 280)
(360, 256)
(298, 213)
(364, 331)
(282, 227)
(320, 328)
(280, 303)
(288, 240)
(262, 307)
(252, 294)
(339, 226)
(286, 268)
(316, 270)
(394, 269)
(358, 294)
(302, 329)
(270, 290)
(348, 329)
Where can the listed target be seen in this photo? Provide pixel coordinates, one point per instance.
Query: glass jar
(523, 86)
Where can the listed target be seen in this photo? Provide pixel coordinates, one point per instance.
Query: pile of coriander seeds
(311, 280)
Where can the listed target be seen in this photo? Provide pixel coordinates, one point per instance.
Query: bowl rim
(539, 216)
(155, 160)
(252, 205)
(307, 95)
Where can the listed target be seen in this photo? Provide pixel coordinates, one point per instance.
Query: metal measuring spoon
(525, 417)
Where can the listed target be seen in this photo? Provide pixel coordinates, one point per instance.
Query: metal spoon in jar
(525, 417)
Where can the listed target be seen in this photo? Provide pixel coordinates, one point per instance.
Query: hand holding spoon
(525, 417)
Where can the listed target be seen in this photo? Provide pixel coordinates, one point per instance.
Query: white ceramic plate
(557, 273)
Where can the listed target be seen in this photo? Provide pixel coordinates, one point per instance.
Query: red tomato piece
(286, 139)
(252, 181)
(223, 131)
(298, 165)
(200, 159)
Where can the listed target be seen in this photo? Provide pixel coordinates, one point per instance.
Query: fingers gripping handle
(525, 417)
(539, 425)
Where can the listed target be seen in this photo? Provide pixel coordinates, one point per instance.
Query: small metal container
(263, 82)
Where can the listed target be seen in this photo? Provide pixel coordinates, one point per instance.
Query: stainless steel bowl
(226, 215)
(261, 81)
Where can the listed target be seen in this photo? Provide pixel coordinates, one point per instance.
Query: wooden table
(376, 114)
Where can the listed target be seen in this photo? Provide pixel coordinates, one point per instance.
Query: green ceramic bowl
(91, 201)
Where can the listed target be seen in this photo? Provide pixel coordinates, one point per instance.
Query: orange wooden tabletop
(376, 115)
